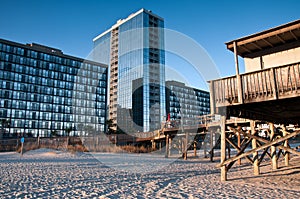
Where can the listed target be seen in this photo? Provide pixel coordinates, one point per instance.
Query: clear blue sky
(71, 25)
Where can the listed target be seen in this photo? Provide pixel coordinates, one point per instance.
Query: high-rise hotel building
(134, 50)
(186, 103)
(43, 90)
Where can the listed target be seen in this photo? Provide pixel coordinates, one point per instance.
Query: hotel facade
(43, 90)
(186, 103)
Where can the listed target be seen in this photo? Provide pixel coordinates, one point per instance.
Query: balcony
(272, 92)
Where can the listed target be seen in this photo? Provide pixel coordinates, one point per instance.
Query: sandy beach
(46, 173)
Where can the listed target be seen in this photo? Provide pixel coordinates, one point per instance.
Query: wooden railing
(268, 84)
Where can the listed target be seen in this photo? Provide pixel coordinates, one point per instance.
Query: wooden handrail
(259, 85)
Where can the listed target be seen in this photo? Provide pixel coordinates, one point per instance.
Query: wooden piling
(170, 146)
(223, 148)
(273, 148)
(195, 149)
(204, 149)
(286, 144)
(167, 146)
(256, 169)
(185, 148)
(211, 146)
(239, 145)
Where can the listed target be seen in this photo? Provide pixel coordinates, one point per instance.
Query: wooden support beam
(277, 141)
(239, 146)
(270, 143)
(167, 146)
(228, 150)
(204, 149)
(238, 149)
(223, 148)
(246, 49)
(256, 45)
(286, 144)
(263, 155)
(282, 40)
(267, 42)
(254, 146)
(170, 145)
(273, 148)
(195, 149)
(211, 146)
(293, 34)
(153, 144)
(186, 145)
(239, 153)
(264, 152)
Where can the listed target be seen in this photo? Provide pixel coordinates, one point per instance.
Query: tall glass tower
(134, 50)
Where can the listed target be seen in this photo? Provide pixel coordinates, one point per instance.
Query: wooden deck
(270, 94)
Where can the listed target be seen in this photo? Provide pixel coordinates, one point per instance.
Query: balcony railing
(263, 85)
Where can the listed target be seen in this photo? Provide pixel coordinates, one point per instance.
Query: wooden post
(212, 97)
(195, 148)
(273, 148)
(170, 145)
(238, 77)
(228, 150)
(261, 62)
(211, 146)
(204, 149)
(255, 154)
(38, 139)
(167, 146)
(185, 146)
(274, 89)
(223, 148)
(239, 145)
(153, 144)
(286, 154)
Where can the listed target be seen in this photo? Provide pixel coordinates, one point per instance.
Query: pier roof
(280, 38)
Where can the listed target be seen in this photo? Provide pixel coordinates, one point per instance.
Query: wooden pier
(268, 92)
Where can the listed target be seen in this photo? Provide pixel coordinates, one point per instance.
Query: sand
(48, 173)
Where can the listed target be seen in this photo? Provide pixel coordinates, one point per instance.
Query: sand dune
(48, 173)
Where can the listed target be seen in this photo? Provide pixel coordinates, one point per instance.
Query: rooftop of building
(280, 38)
(48, 50)
(121, 21)
(181, 84)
